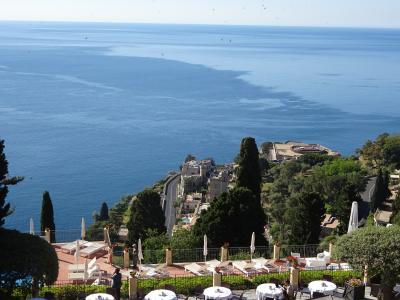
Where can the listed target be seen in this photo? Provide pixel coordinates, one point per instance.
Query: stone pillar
(277, 251)
(224, 253)
(47, 235)
(133, 286)
(294, 277)
(217, 279)
(168, 257)
(126, 258)
(365, 279)
(330, 248)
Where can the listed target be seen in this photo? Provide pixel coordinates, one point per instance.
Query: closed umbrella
(205, 250)
(31, 226)
(252, 245)
(353, 222)
(83, 229)
(86, 273)
(77, 252)
(107, 236)
(140, 252)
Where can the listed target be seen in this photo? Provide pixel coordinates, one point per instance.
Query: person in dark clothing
(116, 283)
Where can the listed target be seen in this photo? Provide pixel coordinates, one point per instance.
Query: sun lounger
(297, 256)
(266, 264)
(70, 247)
(196, 269)
(79, 268)
(247, 268)
(223, 266)
(91, 249)
(92, 273)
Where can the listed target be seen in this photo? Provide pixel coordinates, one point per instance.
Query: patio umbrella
(77, 252)
(353, 222)
(31, 226)
(139, 253)
(107, 236)
(83, 229)
(86, 274)
(205, 250)
(252, 244)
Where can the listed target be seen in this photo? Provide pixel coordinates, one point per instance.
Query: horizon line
(200, 24)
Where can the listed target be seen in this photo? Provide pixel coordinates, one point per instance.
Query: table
(268, 290)
(160, 295)
(217, 292)
(100, 296)
(321, 286)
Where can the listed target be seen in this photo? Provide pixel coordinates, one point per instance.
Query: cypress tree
(145, 213)
(248, 173)
(47, 216)
(5, 208)
(103, 212)
(379, 194)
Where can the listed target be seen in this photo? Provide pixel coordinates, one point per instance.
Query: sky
(332, 13)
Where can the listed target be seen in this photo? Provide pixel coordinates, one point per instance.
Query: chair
(141, 294)
(198, 292)
(318, 295)
(303, 288)
(375, 289)
(245, 267)
(340, 292)
(327, 277)
(196, 269)
(91, 249)
(275, 281)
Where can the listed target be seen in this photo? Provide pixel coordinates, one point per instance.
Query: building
(292, 150)
(217, 185)
(194, 176)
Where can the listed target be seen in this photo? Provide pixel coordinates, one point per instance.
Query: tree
(304, 213)
(189, 157)
(47, 216)
(339, 182)
(375, 247)
(184, 239)
(395, 217)
(380, 192)
(5, 208)
(145, 213)
(232, 217)
(25, 258)
(103, 216)
(248, 172)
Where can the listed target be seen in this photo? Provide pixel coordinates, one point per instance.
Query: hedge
(186, 285)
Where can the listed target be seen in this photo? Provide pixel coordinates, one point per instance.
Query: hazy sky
(353, 13)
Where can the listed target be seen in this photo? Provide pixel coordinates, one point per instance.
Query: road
(363, 207)
(169, 209)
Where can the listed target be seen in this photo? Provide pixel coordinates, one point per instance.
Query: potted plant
(292, 261)
(355, 289)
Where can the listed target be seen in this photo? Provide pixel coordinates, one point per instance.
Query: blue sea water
(91, 112)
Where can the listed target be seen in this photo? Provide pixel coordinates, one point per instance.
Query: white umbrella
(353, 222)
(252, 244)
(86, 274)
(107, 236)
(139, 253)
(83, 229)
(77, 252)
(31, 226)
(205, 250)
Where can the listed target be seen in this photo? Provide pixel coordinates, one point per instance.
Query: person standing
(116, 283)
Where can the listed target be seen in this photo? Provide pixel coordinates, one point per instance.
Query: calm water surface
(91, 112)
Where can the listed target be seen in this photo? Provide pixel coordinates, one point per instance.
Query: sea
(93, 111)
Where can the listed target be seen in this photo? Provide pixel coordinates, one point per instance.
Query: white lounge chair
(326, 256)
(196, 269)
(263, 263)
(70, 247)
(92, 273)
(223, 266)
(298, 257)
(79, 268)
(247, 268)
(314, 263)
(92, 248)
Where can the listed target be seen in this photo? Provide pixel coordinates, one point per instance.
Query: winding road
(169, 200)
